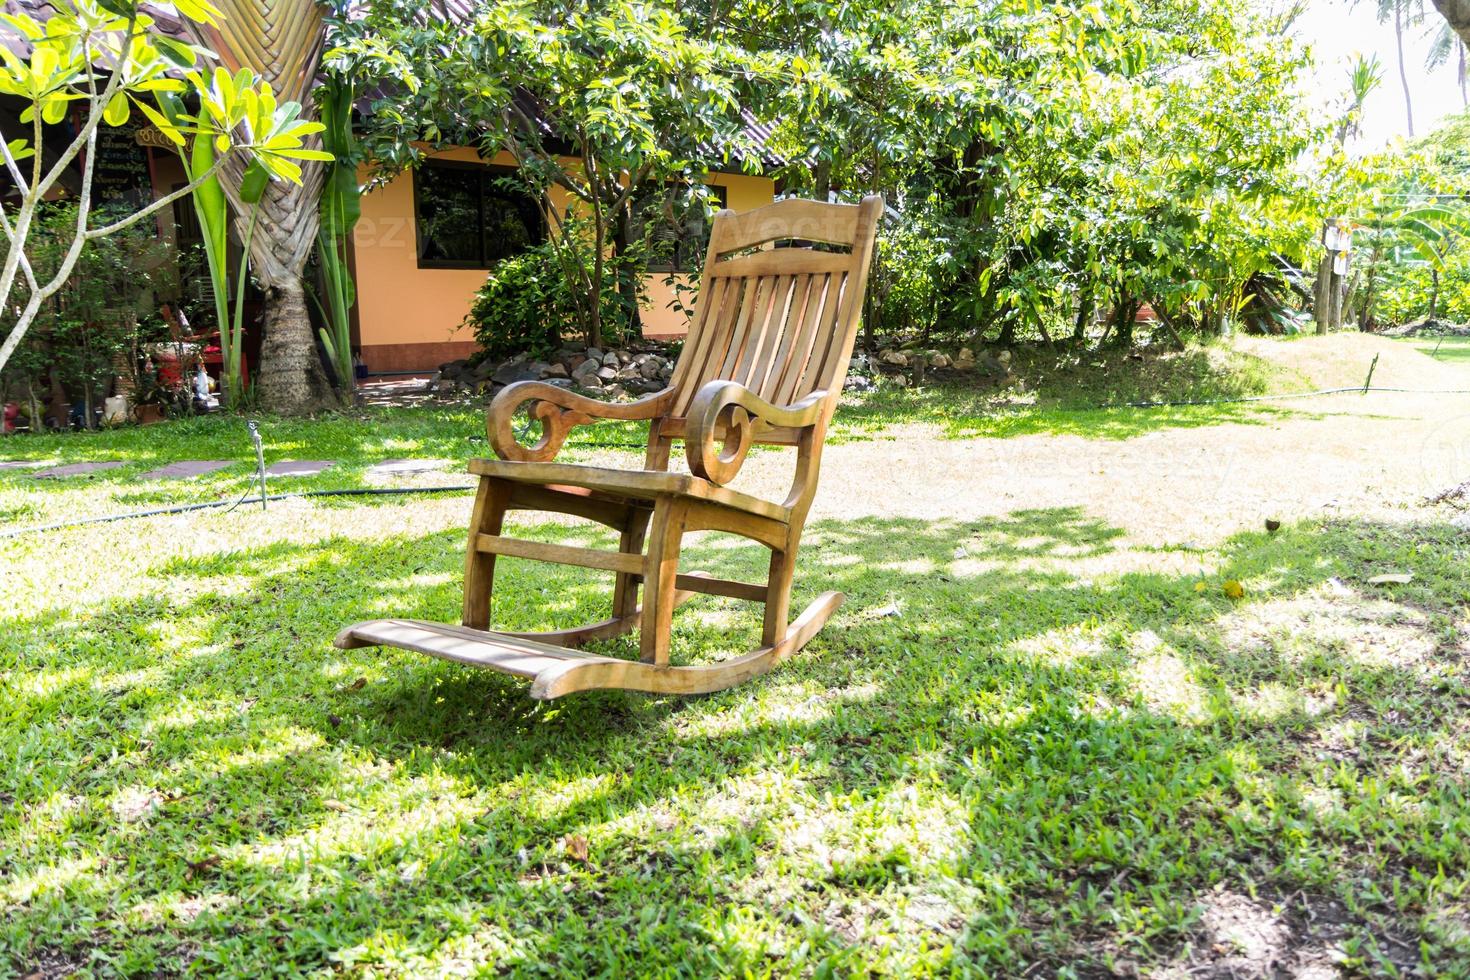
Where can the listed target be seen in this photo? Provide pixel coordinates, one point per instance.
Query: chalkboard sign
(120, 173)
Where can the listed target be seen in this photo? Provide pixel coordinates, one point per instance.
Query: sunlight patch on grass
(1165, 684)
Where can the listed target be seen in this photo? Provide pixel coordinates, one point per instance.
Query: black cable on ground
(186, 508)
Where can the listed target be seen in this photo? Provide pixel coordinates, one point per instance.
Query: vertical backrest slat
(758, 352)
(715, 344)
(750, 313)
(817, 303)
(764, 383)
(811, 378)
(701, 332)
(780, 321)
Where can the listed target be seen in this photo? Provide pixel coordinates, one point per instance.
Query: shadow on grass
(1026, 765)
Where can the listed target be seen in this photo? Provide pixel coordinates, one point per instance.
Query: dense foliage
(1050, 168)
(93, 326)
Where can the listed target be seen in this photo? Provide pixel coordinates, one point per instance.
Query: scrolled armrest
(558, 410)
(731, 410)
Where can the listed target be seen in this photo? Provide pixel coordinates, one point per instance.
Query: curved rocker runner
(764, 362)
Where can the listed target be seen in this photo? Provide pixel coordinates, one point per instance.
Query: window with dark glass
(469, 218)
(674, 220)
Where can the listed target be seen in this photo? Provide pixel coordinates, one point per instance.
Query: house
(426, 239)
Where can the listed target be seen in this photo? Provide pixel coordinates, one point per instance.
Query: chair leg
(660, 569)
(778, 596)
(625, 588)
(491, 503)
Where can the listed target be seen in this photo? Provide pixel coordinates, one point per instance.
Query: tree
(104, 62)
(281, 42)
(593, 101)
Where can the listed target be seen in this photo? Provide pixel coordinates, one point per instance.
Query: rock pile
(611, 373)
(905, 367)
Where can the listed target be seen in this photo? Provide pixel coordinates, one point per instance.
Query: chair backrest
(780, 301)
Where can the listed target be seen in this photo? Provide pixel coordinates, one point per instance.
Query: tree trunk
(282, 42)
(1084, 316)
(822, 181)
(290, 376)
(1398, 33)
(290, 379)
(1433, 293)
(627, 282)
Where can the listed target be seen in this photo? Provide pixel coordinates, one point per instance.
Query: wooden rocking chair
(764, 362)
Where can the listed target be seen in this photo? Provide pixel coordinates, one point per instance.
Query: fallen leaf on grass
(358, 684)
(1233, 589)
(1393, 578)
(336, 805)
(576, 846)
(1273, 525)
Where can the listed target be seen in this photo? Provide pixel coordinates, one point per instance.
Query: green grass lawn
(1452, 350)
(1024, 745)
(1061, 753)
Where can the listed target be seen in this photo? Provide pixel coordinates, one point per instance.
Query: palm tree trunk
(280, 40)
(1398, 33)
(290, 380)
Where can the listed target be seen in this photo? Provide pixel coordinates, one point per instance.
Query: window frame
(487, 172)
(695, 262)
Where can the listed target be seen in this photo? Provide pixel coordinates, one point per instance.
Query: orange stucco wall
(414, 317)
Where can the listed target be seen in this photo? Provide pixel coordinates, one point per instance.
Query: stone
(587, 369)
(515, 371)
(649, 368)
(77, 469)
(963, 364)
(186, 468)
(666, 372)
(450, 370)
(1004, 359)
(560, 382)
(574, 361)
(607, 373)
(940, 361)
(895, 358)
(594, 354)
(965, 354)
(615, 391)
(610, 359)
(396, 466)
(299, 467)
(627, 373)
(590, 381)
(555, 371)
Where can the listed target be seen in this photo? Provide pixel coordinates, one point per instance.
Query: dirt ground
(1351, 453)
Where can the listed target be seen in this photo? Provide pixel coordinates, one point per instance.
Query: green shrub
(523, 307)
(526, 305)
